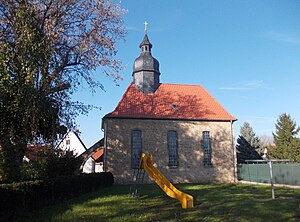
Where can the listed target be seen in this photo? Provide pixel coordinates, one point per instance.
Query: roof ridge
(180, 84)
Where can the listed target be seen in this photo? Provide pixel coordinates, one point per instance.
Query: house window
(68, 141)
(173, 149)
(206, 148)
(136, 148)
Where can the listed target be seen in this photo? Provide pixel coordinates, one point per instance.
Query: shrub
(50, 163)
(17, 198)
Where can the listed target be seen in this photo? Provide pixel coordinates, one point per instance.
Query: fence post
(271, 179)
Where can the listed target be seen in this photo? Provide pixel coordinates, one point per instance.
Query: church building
(189, 133)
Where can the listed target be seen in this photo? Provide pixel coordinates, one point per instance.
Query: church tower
(146, 68)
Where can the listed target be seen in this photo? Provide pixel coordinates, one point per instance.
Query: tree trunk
(11, 157)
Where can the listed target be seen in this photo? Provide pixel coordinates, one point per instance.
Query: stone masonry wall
(154, 140)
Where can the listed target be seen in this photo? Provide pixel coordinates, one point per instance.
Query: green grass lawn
(227, 202)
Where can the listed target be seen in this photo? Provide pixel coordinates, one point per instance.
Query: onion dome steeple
(146, 68)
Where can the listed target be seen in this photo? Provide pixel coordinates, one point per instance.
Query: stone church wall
(154, 140)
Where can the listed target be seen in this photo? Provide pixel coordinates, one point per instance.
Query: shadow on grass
(227, 202)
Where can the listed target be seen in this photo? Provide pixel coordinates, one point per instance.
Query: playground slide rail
(185, 199)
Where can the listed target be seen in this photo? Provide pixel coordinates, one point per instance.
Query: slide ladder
(186, 200)
(137, 181)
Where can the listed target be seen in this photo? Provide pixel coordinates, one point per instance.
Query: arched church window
(173, 149)
(136, 148)
(207, 148)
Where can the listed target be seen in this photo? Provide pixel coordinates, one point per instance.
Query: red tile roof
(98, 154)
(35, 151)
(170, 101)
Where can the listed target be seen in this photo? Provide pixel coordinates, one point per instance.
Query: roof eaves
(80, 140)
(176, 119)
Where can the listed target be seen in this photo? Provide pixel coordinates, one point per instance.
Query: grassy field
(213, 203)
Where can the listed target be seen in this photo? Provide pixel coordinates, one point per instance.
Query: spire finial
(146, 25)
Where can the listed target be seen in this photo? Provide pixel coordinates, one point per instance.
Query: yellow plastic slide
(185, 199)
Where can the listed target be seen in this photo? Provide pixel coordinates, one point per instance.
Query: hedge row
(17, 198)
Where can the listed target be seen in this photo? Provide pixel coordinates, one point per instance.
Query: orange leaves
(49, 47)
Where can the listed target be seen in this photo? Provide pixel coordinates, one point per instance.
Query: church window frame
(206, 144)
(172, 143)
(136, 148)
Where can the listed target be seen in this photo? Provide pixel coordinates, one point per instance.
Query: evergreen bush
(17, 198)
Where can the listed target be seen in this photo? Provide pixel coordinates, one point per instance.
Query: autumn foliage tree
(48, 48)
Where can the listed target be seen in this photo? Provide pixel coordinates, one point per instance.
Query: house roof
(93, 149)
(98, 154)
(170, 101)
(33, 152)
(65, 137)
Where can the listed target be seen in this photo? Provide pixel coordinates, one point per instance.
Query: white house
(71, 141)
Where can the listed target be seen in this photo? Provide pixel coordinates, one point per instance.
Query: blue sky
(245, 53)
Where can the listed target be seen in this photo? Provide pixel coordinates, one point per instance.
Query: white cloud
(247, 85)
(283, 37)
(132, 28)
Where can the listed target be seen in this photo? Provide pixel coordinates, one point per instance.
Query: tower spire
(146, 67)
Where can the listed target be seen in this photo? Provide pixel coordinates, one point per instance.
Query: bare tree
(266, 140)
